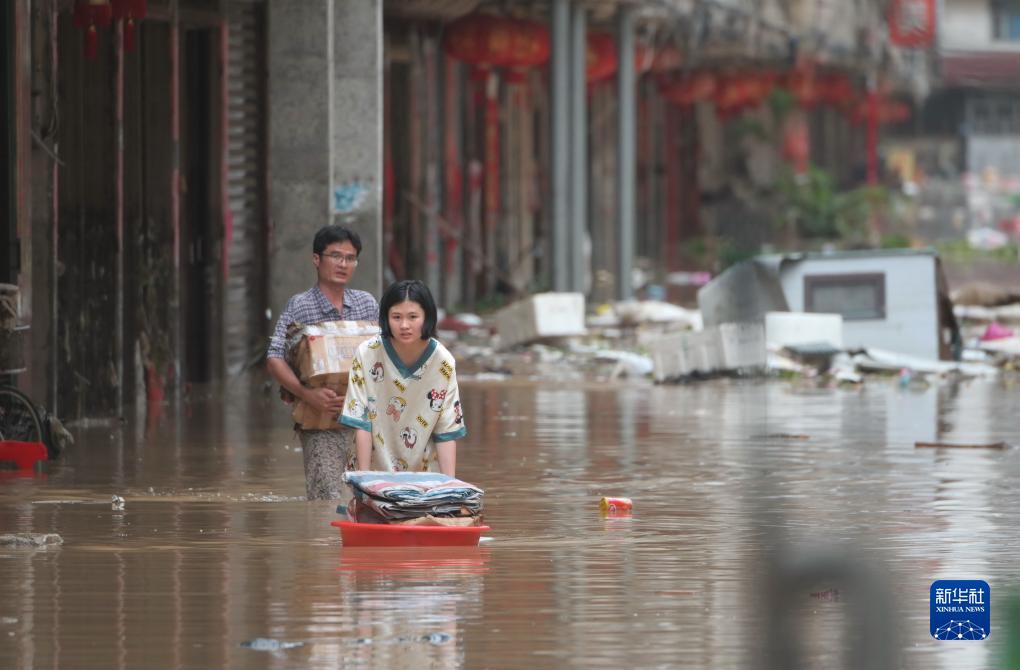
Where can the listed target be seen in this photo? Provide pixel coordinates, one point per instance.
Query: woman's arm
(363, 449)
(447, 454)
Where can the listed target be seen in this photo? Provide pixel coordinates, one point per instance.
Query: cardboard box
(326, 350)
(322, 356)
(309, 419)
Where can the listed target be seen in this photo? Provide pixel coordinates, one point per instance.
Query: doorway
(199, 111)
(9, 255)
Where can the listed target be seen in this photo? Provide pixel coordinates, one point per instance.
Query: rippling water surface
(772, 520)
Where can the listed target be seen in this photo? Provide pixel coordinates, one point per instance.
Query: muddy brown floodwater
(755, 503)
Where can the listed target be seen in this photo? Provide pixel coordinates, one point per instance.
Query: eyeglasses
(341, 259)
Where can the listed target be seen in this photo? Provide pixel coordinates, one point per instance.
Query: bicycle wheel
(18, 418)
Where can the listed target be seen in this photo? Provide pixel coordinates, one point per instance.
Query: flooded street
(217, 561)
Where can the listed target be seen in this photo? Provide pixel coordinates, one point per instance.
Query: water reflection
(408, 605)
(215, 546)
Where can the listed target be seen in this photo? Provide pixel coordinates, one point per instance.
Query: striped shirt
(313, 307)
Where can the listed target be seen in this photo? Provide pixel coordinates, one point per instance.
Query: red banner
(912, 22)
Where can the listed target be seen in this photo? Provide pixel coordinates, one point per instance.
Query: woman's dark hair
(415, 291)
(333, 232)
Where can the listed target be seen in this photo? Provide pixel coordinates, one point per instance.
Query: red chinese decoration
(487, 41)
(88, 16)
(873, 111)
(882, 109)
(130, 11)
(836, 89)
(803, 84)
(797, 142)
(741, 91)
(601, 59)
(662, 59)
(688, 89)
(912, 22)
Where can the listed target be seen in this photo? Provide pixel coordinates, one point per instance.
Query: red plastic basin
(356, 534)
(24, 454)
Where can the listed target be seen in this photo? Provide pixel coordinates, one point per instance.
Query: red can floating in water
(613, 505)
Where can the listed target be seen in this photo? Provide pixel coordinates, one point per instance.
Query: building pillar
(559, 93)
(325, 136)
(625, 154)
(578, 240)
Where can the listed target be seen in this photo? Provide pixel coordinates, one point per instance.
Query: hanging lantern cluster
(688, 88)
(657, 59)
(486, 41)
(739, 92)
(90, 15)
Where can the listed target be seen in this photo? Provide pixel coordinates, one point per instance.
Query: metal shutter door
(245, 300)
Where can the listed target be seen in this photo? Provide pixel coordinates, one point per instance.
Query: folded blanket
(405, 495)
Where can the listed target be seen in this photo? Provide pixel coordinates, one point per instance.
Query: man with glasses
(327, 453)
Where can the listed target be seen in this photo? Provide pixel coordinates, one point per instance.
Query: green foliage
(731, 254)
(748, 127)
(959, 251)
(895, 241)
(813, 206)
(781, 102)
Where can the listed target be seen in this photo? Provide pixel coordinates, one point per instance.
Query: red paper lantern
(488, 41)
(836, 89)
(661, 59)
(688, 89)
(88, 15)
(803, 84)
(739, 92)
(912, 22)
(755, 87)
(729, 95)
(601, 59)
(130, 11)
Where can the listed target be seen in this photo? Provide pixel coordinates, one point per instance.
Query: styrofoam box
(667, 355)
(704, 350)
(743, 345)
(783, 329)
(539, 316)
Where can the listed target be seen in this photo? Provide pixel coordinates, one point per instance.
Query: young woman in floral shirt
(402, 394)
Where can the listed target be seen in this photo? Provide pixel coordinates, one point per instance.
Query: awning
(983, 69)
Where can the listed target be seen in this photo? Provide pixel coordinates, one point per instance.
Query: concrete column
(625, 154)
(578, 241)
(560, 96)
(325, 136)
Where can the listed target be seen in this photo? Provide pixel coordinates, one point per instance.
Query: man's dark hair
(415, 291)
(331, 233)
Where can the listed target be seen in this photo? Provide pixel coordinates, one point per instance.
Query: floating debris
(436, 638)
(30, 539)
(611, 505)
(117, 503)
(269, 644)
(828, 595)
(948, 445)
